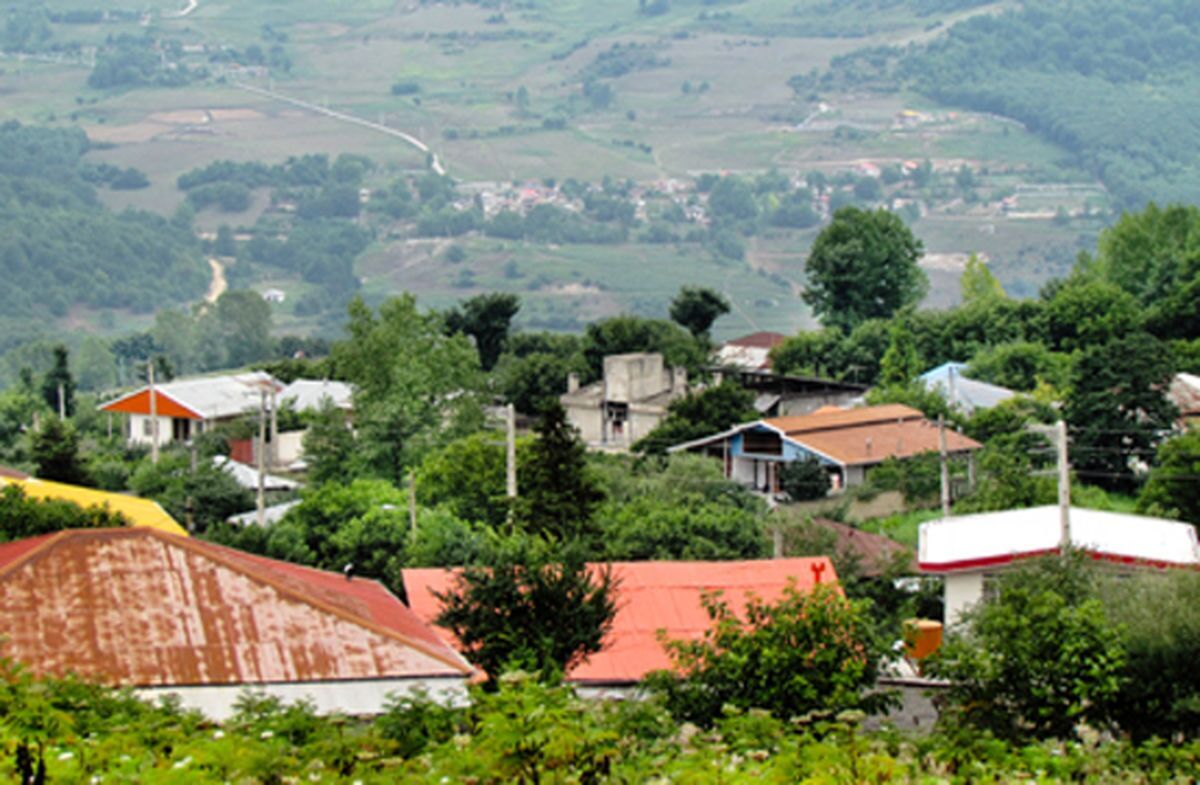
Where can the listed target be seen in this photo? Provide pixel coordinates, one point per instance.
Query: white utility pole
(273, 457)
(510, 421)
(1064, 484)
(153, 414)
(945, 460)
(62, 402)
(261, 505)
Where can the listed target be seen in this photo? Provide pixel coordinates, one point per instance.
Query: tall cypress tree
(557, 496)
(59, 374)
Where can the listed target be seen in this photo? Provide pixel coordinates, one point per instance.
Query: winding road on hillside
(435, 163)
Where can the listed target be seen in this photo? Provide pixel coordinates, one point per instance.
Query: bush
(808, 652)
(804, 480)
(1039, 659)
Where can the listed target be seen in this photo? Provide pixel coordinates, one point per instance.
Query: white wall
(140, 430)
(962, 590)
(346, 697)
(289, 447)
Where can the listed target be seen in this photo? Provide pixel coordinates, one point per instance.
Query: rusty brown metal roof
(138, 607)
(874, 551)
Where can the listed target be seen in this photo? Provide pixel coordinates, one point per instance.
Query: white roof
(307, 394)
(215, 397)
(975, 542)
(948, 381)
(735, 356)
(247, 476)
(271, 515)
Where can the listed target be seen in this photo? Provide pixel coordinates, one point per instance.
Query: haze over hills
(597, 156)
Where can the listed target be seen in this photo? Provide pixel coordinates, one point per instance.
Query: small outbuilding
(970, 550)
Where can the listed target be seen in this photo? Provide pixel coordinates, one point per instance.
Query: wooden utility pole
(153, 413)
(261, 504)
(510, 450)
(945, 460)
(273, 457)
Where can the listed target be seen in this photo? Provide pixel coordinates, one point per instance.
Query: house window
(762, 443)
(147, 427)
(180, 430)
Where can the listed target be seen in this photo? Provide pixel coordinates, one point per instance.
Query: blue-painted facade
(791, 450)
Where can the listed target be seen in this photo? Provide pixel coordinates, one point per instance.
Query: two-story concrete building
(625, 405)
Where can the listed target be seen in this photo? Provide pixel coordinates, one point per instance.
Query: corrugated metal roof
(874, 551)
(247, 476)
(1185, 394)
(307, 394)
(843, 418)
(143, 608)
(139, 512)
(652, 596)
(205, 398)
(972, 542)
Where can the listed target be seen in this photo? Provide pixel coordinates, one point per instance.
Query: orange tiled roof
(869, 434)
(652, 596)
(138, 607)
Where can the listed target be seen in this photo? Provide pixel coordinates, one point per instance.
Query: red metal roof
(652, 596)
(139, 403)
(138, 607)
(759, 340)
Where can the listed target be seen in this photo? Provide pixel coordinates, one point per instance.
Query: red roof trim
(138, 402)
(964, 565)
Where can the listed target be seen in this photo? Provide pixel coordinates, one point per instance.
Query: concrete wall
(962, 590)
(289, 447)
(589, 421)
(878, 506)
(632, 377)
(344, 697)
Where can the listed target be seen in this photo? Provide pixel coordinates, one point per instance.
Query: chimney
(572, 383)
(679, 381)
(868, 446)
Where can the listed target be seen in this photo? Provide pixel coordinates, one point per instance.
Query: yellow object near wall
(922, 638)
(138, 511)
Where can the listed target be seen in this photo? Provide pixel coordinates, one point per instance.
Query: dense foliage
(53, 220)
(525, 732)
(1112, 82)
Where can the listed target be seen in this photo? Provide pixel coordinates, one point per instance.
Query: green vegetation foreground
(526, 732)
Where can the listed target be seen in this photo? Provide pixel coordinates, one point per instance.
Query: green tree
(863, 265)
(700, 414)
(625, 334)
(243, 321)
(809, 353)
(1117, 409)
(804, 480)
(809, 651)
(486, 318)
(415, 387)
(532, 604)
(557, 494)
(95, 364)
(1148, 253)
(1084, 312)
(732, 198)
(1173, 489)
(329, 446)
(54, 448)
(1020, 366)
(977, 283)
(21, 516)
(204, 497)
(696, 308)
(1038, 659)
(901, 364)
(467, 477)
(58, 376)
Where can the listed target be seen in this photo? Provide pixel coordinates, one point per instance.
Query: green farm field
(714, 98)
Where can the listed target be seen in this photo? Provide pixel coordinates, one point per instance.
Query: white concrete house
(969, 550)
(628, 403)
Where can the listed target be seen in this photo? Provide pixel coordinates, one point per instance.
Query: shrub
(1037, 660)
(812, 651)
(804, 480)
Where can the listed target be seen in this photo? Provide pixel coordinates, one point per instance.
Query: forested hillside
(60, 247)
(1113, 82)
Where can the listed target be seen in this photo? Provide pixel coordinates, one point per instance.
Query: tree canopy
(862, 266)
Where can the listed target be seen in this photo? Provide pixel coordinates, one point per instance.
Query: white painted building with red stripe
(968, 550)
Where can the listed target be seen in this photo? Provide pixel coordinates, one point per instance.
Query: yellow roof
(139, 512)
